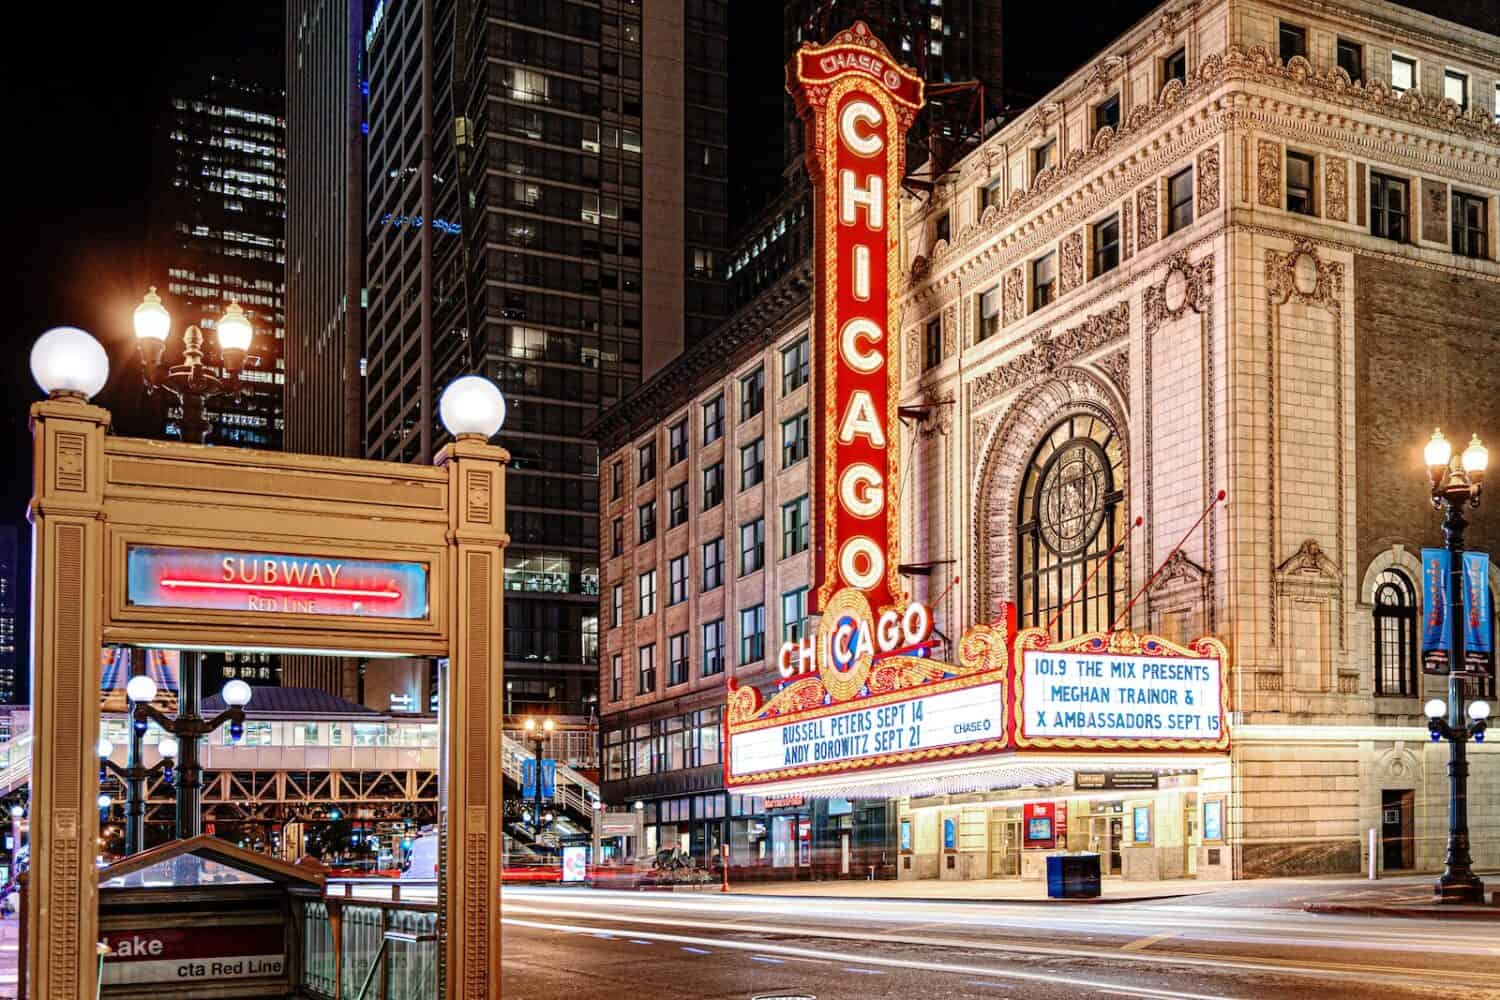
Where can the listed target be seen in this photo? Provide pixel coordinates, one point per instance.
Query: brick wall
(1426, 345)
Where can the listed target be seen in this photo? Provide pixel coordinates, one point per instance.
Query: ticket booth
(201, 918)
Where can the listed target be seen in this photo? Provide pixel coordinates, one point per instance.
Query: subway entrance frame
(94, 496)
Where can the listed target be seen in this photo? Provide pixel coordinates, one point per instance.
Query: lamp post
(192, 382)
(537, 734)
(189, 727)
(140, 689)
(1456, 484)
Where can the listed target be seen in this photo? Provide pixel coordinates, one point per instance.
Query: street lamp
(537, 733)
(1456, 484)
(192, 382)
(186, 731)
(67, 361)
(134, 774)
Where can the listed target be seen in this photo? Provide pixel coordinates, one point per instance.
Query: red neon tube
(281, 588)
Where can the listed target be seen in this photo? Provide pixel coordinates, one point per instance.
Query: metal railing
(359, 948)
(15, 762)
(574, 747)
(573, 789)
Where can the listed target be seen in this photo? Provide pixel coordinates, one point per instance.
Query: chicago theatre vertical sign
(857, 104)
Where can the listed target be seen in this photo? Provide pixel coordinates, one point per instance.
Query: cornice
(1225, 111)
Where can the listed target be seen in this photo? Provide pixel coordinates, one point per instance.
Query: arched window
(1395, 634)
(1069, 514)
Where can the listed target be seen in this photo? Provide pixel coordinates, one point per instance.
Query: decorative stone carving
(1127, 232)
(950, 330)
(1177, 572)
(1070, 273)
(1052, 352)
(1336, 189)
(913, 353)
(1268, 173)
(1013, 298)
(1208, 180)
(1146, 211)
(1185, 286)
(1301, 276)
(1117, 367)
(1103, 139)
(1434, 211)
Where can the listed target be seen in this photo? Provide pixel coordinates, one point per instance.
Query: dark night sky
(85, 84)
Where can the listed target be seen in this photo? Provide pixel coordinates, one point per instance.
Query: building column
(67, 518)
(470, 815)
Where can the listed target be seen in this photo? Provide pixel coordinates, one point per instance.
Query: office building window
(989, 312)
(713, 419)
(617, 612)
(677, 443)
(616, 677)
(1106, 242)
(1470, 225)
(752, 545)
(942, 228)
(1043, 280)
(1351, 56)
(752, 635)
(1293, 41)
(752, 393)
(677, 659)
(713, 647)
(713, 564)
(794, 526)
(646, 516)
(647, 462)
(1299, 183)
(1390, 207)
(794, 439)
(1403, 73)
(1107, 113)
(1042, 157)
(1395, 634)
(677, 505)
(793, 614)
(752, 463)
(617, 479)
(646, 583)
(794, 366)
(645, 680)
(932, 344)
(1174, 67)
(677, 579)
(1180, 201)
(1456, 87)
(617, 536)
(713, 486)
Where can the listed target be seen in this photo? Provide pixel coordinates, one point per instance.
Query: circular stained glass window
(1071, 497)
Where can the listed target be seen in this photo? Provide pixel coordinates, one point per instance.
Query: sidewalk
(10, 929)
(1406, 896)
(998, 890)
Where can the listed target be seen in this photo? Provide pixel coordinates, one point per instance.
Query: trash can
(1072, 876)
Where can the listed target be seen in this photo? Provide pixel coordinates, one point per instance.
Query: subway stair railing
(574, 790)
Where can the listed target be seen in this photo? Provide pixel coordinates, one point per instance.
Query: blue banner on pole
(1437, 630)
(528, 778)
(1479, 629)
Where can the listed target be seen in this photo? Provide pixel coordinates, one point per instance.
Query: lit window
(1403, 73)
(1456, 88)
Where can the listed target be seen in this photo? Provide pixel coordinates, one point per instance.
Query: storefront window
(1069, 514)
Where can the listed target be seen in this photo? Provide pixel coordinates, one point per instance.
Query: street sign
(528, 778)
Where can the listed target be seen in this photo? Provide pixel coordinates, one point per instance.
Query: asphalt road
(567, 944)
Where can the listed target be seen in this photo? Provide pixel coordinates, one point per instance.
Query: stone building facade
(1250, 247)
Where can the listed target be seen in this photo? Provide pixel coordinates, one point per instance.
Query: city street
(1249, 941)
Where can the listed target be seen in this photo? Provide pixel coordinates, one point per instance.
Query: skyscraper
(218, 209)
(11, 658)
(325, 228)
(547, 205)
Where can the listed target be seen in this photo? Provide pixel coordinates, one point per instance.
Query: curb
(1009, 901)
(1440, 912)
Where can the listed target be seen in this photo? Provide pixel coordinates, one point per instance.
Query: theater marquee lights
(857, 104)
(865, 690)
